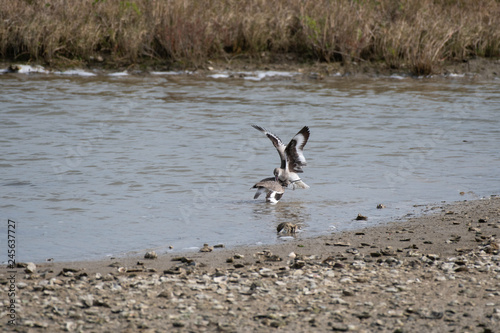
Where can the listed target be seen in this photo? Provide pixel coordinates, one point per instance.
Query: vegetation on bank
(414, 35)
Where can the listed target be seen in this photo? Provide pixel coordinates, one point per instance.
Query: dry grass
(414, 34)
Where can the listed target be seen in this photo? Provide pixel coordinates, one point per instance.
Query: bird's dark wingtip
(257, 127)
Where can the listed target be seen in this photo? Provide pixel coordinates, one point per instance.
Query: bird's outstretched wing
(278, 144)
(295, 150)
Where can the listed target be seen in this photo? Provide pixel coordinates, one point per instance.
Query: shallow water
(92, 166)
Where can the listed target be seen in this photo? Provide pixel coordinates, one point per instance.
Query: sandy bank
(435, 273)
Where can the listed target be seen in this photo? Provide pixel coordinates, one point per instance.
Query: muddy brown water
(107, 165)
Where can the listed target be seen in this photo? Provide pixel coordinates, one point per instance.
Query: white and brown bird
(291, 155)
(272, 187)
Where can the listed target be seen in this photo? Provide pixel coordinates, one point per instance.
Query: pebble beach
(439, 272)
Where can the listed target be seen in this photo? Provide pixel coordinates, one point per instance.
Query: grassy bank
(412, 35)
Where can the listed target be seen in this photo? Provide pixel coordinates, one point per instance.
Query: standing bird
(291, 155)
(272, 187)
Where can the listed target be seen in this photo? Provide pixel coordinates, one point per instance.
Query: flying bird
(291, 156)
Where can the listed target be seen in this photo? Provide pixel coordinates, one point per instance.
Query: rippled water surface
(106, 165)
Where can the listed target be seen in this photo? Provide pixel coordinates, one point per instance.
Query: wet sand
(435, 273)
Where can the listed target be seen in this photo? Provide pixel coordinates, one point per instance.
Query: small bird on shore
(287, 228)
(291, 156)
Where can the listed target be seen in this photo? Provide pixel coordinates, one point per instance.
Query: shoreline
(435, 272)
(216, 256)
(477, 69)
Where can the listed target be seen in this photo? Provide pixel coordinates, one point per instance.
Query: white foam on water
(455, 75)
(26, 69)
(191, 248)
(219, 76)
(260, 75)
(166, 73)
(76, 72)
(119, 74)
(396, 76)
(253, 76)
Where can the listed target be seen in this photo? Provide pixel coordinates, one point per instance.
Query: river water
(106, 165)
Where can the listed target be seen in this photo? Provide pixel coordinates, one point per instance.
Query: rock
(70, 326)
(433, 257)
(266, 272)
(345, 280)
(30, 268)
(151, 255)
(184, 260)
(22, 285)
(454, 239)
(431, 315)
(362, 315)
(134, 270)
(165, 294)
(39, 324)
(352, 251)
(346, 244)
(220, 279)
(388, 251)
(273, 257)
(206, 248)
(461, 269)
(347, 292)
(87, 300)
(298, 264)
(358, 265)
(174, 271)
(337, 327)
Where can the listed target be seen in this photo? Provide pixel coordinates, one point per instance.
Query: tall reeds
(414, 34)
